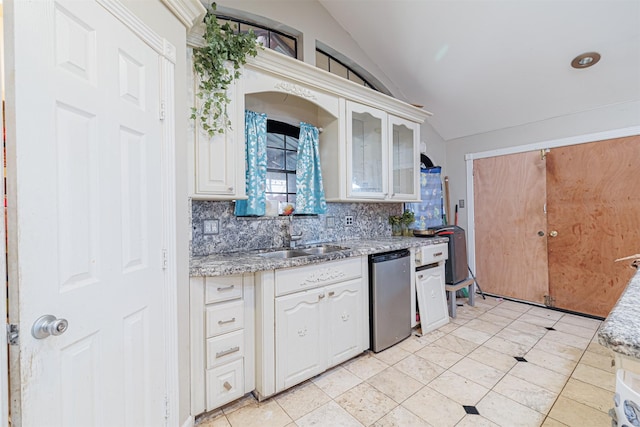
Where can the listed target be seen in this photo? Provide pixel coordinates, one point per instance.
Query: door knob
(553, 233)
(540, 233)
(48, 325)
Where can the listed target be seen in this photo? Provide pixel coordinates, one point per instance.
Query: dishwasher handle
(389, 256)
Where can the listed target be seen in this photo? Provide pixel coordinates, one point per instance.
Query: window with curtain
(282, 157)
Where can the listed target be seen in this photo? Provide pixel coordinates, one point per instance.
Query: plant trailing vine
(217, 65)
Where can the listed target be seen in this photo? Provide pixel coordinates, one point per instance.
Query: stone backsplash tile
(370, 220)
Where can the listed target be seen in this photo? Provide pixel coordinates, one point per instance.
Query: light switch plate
(210, 226)
(331, 222)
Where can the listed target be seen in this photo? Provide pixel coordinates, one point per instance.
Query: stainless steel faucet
(293, 238)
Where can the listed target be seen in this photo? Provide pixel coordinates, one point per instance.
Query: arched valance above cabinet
(368, 142)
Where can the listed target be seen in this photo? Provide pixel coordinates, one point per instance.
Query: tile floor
(500, 363)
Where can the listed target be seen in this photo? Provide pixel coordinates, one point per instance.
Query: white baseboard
(189, 422)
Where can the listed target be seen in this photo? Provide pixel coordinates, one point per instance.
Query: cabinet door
(403, 159)
(345, 319)
(300, 337)
(432, 301)
(367, 152)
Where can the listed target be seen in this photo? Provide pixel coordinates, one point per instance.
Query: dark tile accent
(520, 359)
(549, 328)
(471, 410)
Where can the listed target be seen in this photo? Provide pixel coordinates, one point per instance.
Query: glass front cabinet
(382, 155)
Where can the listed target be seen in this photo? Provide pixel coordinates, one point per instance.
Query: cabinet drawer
(224, 384)
(224, 348)
(222, 318)
(222, 288)
(296, 279)
(432, 254)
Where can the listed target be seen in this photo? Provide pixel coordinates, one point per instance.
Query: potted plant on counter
(407, 219)
(396, 225)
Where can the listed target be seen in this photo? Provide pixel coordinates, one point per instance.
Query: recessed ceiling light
(585, 60)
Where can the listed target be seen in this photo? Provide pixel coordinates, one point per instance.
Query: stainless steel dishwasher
(390, 298)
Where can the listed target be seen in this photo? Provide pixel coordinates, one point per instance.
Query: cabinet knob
(320, 296)
(230, 188)
(420, 276)
(227, 386)
(331, 293)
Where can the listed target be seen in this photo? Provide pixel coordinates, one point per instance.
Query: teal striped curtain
(309, 190)
(255, 130)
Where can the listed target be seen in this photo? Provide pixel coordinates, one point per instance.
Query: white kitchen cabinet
(217, 167)
(404, 155)
(222, 340)
(431, 298)
(320, 318)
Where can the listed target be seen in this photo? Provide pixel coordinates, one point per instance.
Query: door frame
(167, 62)
(543, 145)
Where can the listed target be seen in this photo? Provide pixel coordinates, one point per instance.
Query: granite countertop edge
(621, 329)
(250, 261)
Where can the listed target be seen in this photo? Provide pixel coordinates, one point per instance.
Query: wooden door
(509, 198)
(87, 227)
(593, 203)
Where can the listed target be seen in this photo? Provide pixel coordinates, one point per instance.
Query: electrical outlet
(348, 220)
(210, 226)
(331, 222)
(461, 203)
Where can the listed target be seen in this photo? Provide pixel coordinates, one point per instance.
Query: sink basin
(287, 253)
(324, 249)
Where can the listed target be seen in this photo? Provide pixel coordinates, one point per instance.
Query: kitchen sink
(323, 249)
(287, 253)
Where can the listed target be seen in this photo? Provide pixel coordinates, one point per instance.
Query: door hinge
(162, 110)
(165, 261)
(549, 301)
(13, 333)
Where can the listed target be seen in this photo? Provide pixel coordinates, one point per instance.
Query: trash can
(626, 399)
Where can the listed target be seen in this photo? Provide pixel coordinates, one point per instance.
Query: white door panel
(87, 239)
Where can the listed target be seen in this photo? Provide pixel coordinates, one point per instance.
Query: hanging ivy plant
(217, 65)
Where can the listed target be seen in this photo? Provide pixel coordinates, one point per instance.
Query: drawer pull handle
(225, 288)
(437, 254)
(227, 386)
(331, 293)
(224, 322)
(226, 352)
(420, 276)
(320, 296)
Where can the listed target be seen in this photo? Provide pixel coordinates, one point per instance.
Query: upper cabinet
(368, 141)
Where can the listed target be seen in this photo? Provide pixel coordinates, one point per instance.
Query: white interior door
(87, 230)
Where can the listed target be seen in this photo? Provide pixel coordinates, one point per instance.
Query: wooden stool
(451, 293)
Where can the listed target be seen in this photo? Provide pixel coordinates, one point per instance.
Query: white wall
(584, 123)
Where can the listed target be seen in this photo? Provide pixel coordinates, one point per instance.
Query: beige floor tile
(476, 421)
(508, 413)
(568, 339)
(600, 349)
(392, 355)
(433, 336)
(527, 393)
(559, 349)
(477, 372)
(505, 312)
(470, 334)
(595, 376)
(458, 388)
(606, 363)
(434, 408)
(460, 320)
(507, 347)
(265, 414)
(336, 381)
(395, 384)
(545, 313)
(459, 345)
(365, 366)
(551, 361)
(520, 337)
(448, 328)
(582, 321)
(365, 403)
(515, 306)
(493, 358)
(573, 413)
(484, 304)
(439, 355)
(495, 319)
(550, 422)
(329, 414)
(414, 343)
(588, 394)
(537, 320)
(302, 399)
(540, 376)
(401, 417)
(214, 419)
(484, 326)
(578, 331)
(247, 399)
(489, 300)
(419, 368)
(529, 328)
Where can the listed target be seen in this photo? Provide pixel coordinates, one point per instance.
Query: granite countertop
(621, 329)
(251, 261)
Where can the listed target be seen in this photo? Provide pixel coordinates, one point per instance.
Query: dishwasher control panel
(430, 254)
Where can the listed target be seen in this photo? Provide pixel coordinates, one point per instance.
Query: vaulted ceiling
(483, 65)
